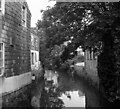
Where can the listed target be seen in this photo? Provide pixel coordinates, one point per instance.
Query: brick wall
(17, 39)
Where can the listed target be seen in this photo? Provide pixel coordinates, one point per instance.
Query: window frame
(24, 15)
(3, 56)
(32, 58)
(0, 4)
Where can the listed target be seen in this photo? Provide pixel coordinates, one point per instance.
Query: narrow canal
(65, 91)
(61, 90)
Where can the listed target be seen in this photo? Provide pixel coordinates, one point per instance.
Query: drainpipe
(0, 41)
(0, 27)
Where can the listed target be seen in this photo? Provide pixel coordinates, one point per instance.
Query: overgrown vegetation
(90, 25)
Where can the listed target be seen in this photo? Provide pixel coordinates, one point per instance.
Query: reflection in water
(55, 94)
(51, 76)
(49, 98)
(73, 99)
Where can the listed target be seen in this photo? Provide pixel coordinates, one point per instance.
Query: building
(35, 62)
(91, 66)
(15, 39)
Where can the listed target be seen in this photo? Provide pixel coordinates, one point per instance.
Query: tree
(91, 25)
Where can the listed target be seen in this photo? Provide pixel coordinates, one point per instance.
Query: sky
(35, 6)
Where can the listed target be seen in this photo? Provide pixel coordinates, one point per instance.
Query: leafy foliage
(91, 25)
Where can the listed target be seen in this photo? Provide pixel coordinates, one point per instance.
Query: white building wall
(35, 65)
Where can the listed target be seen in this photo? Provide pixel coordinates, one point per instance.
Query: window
(32, 40)
(32, 58)
(35, 57)
(24, 16)
(2, 6)
(94, 55)
(1, 58)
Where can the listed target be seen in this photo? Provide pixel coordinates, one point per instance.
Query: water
(73, 99)
(63, 91)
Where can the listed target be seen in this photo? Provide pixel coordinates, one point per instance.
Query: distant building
(15, 66)
(34, 50)
(35, 62)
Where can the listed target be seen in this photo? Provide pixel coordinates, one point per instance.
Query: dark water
(61, 90)
(68, 92)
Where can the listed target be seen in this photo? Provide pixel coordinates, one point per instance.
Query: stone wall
(19, 98)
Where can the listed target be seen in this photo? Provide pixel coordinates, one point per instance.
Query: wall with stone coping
(12, 85)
